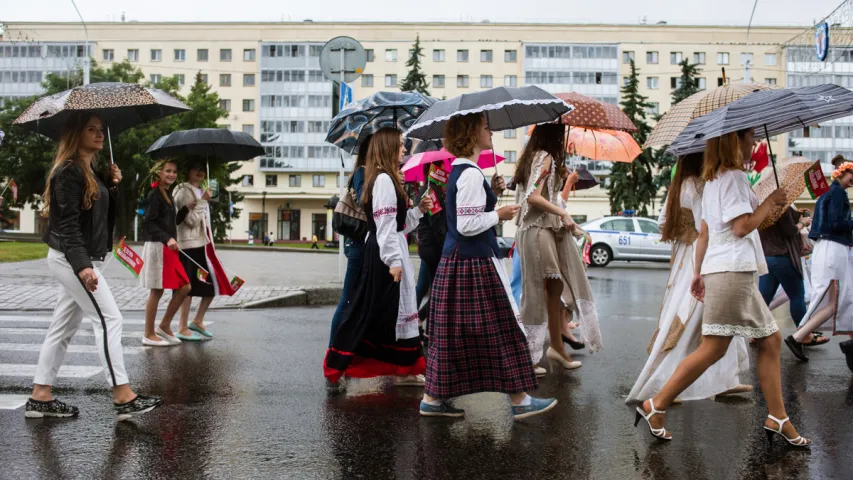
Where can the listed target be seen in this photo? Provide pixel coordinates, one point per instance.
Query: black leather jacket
(82, 235)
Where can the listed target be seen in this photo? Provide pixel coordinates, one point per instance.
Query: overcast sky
(693, 12)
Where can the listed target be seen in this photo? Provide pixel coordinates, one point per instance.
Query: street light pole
(86, 62)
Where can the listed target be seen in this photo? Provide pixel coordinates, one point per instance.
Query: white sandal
(799, 442)
(641, 413)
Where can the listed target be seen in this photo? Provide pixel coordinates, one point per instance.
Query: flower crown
(844, 168)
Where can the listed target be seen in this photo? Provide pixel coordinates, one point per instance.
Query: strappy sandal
(641, 413)
(799, 442)
(816, 341)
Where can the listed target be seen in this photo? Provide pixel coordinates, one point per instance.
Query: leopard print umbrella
(120, 105)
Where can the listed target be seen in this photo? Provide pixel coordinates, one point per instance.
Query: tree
(416, 79)
(632, 185)
(27, 156)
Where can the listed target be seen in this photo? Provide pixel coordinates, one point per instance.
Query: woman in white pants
(79, 232)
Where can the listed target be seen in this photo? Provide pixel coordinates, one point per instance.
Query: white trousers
(74, 303)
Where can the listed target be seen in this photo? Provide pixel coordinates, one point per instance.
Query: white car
(626, 238)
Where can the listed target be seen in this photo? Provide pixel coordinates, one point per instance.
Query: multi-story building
(268, 78)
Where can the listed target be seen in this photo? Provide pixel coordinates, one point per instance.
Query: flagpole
(4, 189)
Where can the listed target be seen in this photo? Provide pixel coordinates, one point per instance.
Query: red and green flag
(236, 283)
(438, 175)
(815, 181)
(202, 274)
(127, 257)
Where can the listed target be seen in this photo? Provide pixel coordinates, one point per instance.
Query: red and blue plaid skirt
(475, 342)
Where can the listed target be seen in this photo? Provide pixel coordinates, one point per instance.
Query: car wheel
(600, 255)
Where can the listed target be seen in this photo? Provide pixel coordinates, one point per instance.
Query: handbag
(348, 218)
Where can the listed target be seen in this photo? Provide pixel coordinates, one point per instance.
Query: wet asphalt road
(252, 404)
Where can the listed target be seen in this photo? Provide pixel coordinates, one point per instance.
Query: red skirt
(162, 268)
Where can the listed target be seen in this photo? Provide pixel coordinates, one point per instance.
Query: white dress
(679, 305)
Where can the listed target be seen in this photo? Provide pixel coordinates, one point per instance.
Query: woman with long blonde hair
(79, 203)
(728, 256)
(378, 335)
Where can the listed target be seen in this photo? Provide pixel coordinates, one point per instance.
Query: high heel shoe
(573, 343)
(799, 442)
(555, 356)
(641, 414)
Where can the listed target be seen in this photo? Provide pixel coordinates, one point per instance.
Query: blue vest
(484, 245)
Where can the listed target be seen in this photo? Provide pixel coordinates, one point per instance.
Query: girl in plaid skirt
(477, 343)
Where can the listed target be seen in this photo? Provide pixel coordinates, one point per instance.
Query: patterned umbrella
(592, 113)
(702, 103)
(366, 116)
(608, 145)
(791, 177)
(120, 106)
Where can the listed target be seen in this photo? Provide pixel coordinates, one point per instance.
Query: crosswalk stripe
(65, 371)
(47, 320)
(43, 331)
(32, 347)
(12, 402)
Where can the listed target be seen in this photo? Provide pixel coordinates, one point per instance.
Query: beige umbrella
(674, 121)
(791, 177)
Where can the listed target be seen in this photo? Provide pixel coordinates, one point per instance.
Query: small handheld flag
(236, 283)
(14, 187)
(127, 257)
(202, 274)
(815, 180)
(438, 175)
(436, 207)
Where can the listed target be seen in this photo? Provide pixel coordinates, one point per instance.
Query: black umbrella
(211, 143)
(586, 180)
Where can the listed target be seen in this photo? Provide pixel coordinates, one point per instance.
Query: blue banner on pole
(346, 96)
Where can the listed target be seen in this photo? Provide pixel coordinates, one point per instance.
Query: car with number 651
(626, 238)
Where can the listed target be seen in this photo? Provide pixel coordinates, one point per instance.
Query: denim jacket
(832, 217)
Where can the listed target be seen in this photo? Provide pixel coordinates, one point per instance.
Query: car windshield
(619, 225)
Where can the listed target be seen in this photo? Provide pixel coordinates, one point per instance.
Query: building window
(225, 105)
(652, 58)
(367, 80)
(675, 58)
(319, 181)
(109, 54)
(133, 54)
(770, 59)
(486, 81)
(295, 181)
(510, 56)
(653, 109)
(627, 57)
(180, 54)
(626, 81)
(249, 55)
(770, 81)
(224, 79)
(486, 56)
(674, 82)
(248, 79)
(272, 180)
(249, 105)
(156, 55)
(719, 81)
(512, 133)
(438, 55)
(370, 55)
(156, 78)
(249, 128)
(391, 55)
(248, 181)
(652, 83)
(224, 54)
(438, 81)
(699, 58)
(390, 80)
(180, 78)
(746, 57)
(723, 58)
(510, 156)
(204, 78)
(461, 55)
(702, 83)
(462, 81)
(510, 80)
(201, 54)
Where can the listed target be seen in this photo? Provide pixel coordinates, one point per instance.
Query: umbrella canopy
(505, 108)
(774, 111)
(586, 180)
(414, 169)
(211, 143)
(366, 116)
(791, 177)
(608, 145)
(592, 113)
(120, 105)
(702, 103)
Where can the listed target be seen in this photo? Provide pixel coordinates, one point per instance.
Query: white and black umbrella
(209, 143)
(504, 107)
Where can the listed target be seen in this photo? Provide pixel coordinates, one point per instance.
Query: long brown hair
(69, 149)
(689, 166)
(361, 158)
(722, 154)
(383, 156)
(548, 138)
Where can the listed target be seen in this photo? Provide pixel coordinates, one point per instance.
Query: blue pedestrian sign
(346, 96)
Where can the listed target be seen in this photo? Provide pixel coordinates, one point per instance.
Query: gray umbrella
(504, 107)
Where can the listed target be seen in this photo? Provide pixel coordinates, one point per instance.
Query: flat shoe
(193, 337)
(205, 333)
(171, 339)
(155, 343)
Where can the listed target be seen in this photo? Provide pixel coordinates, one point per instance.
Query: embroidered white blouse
(724, 199)
(471, 216)
(392, 244)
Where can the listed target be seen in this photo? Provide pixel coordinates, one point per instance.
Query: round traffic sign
(343, 56)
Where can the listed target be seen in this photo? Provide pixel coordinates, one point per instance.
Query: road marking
(65, 371)
(32, 347)
(47, 320)
(43, 331)
(11, 402)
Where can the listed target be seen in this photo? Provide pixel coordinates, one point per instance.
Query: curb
(299, 298)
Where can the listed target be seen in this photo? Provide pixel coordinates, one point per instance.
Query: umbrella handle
(110, 141)
(772, 160)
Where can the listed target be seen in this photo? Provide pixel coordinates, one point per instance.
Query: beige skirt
(734, 307)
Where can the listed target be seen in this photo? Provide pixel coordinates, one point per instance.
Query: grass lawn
(20, 251)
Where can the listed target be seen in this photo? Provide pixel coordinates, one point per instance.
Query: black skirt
(199, 288)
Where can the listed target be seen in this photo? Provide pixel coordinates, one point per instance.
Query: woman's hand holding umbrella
(507, 212)
(498, 184)
(571, 181)
(206, 195)
(115, 173)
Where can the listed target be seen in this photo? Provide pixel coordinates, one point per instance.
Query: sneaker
(537, 406)
(53, 408)
(410, 381)
(540, 371)
(847, 348)
(443, 410)
(139, 405)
